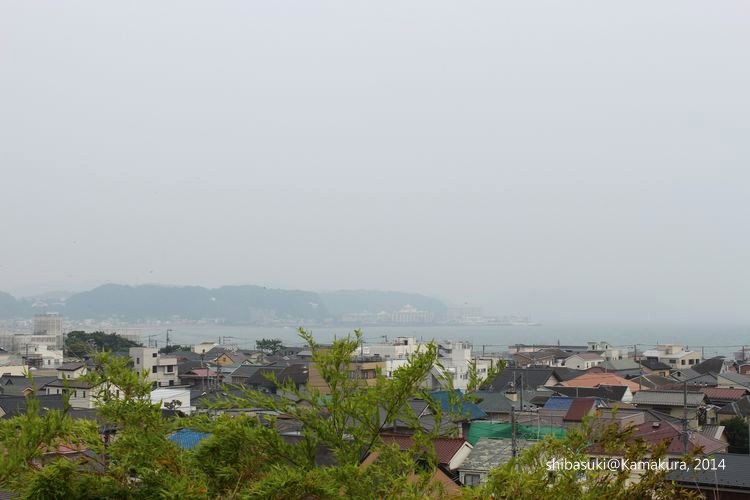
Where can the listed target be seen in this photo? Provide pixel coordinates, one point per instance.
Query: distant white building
(675, 356)
(455, 358)
(583, 360)
(161, 369)
(50, 324)
(464, 314)
(204, 347)
(410, 314)
(177, 398)
(607, 351)
(40, 356)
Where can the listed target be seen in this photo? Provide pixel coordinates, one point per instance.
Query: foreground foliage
(248, 455)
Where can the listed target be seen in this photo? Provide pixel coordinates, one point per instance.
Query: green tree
(269, 346)
(529, 476)
(81, 344)
(737, 435)
(175, 348)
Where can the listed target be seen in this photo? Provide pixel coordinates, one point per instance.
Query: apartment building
(161, 368)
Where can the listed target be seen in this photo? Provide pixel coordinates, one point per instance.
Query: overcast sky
(572, 159)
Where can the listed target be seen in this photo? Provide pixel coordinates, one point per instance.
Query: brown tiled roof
(589, 379)
(672, 434)
(449, 487)
(445, 448)
(724, 394)
(579, 408)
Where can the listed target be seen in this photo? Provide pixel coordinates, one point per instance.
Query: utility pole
(685, 419)
(513, 443)
(520, 395)
(168, 330)
(640, 366)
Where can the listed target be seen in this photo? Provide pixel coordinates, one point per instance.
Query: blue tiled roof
(558, 403)
(187, 439)
(464, 408)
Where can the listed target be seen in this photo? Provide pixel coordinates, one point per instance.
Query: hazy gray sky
(553, 158)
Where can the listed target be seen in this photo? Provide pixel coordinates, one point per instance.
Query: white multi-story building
(41, 356)
(675, 356)
(607, 351)
(455, 358)
(410, 314)
(51, 325)
(161, 369)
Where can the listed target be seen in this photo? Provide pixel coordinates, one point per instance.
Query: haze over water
(720, 340)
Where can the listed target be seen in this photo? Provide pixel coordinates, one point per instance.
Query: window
(137, 361)
(84, 394)
(170, 368)
(683, 362)
(154, 355)
(153, 369)
(471, 479)
(171, 383)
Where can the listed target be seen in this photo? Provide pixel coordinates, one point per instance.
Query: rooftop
(724, 394)
(668, 398)
(445, 447)
(735, 474)
(490, 453)
(590, 379)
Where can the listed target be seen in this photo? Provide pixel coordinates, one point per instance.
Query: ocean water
(713, 339)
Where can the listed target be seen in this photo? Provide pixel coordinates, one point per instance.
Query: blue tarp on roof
(558, 403)
(460, 407)
(187, 439)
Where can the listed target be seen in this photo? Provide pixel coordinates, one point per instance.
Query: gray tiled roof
(652, 381)
(735, 474)
(653, 364)
(707, 379)
(490, 453)
(498, 402)
(619, 364)
(15, 384)
(667, 398)
(736, 378)
(712, 365)
(683, 374)
(530, 378)
(739, 408)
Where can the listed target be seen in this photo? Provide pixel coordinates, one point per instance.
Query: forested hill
(12, 308)
(243, 304)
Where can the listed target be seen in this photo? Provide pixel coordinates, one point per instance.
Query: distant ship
(515, 321)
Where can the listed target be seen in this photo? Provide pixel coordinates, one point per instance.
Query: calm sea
(713, 339)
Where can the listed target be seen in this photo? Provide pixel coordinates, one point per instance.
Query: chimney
(511, 394)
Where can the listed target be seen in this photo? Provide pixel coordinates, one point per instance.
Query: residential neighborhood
(528, 396)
